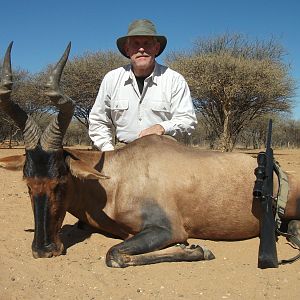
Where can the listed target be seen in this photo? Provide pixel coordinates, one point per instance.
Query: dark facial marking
(41, 217)
(40, 163)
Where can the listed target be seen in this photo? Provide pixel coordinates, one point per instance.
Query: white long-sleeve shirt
(165, 100)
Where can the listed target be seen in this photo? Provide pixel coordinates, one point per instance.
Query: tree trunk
(10, 136)
(226, 143)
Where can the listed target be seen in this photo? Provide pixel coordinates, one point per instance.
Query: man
(142, 98)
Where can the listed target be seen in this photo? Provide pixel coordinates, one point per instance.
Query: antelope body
(154, 193)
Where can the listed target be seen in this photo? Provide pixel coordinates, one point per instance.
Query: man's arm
(100, 125)
(182, 110)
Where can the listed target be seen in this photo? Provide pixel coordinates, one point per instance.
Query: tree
(233, 81)
(80, 81)
(22, 81)
(287, 133)
(28, 93)
(76, 134)
(255, 133)
(82, 77)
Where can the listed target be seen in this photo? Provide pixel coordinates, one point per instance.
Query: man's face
(142, 51)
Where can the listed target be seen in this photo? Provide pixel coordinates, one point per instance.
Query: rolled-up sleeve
(100, 124)
(183, 117)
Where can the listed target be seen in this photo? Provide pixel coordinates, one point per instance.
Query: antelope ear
(80, 169)
(13, 163)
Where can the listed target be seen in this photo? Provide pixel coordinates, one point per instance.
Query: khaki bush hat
(141, 28)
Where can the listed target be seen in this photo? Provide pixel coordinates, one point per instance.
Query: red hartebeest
(154, 193)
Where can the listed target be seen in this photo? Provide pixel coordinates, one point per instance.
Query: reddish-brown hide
(154, 193)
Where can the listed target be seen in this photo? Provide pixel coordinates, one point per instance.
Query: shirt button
(140, 119)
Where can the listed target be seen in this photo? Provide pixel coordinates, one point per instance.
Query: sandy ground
(82, 273)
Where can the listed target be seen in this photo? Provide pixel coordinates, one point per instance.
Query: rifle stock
(263, 190)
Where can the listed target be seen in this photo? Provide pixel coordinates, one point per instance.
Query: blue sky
(41, 29)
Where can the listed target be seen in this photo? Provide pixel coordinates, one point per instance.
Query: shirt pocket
(161, 110)
(119, 109)
(119, 105)
(159, 106)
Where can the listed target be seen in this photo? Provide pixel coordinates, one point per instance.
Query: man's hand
(155, 129)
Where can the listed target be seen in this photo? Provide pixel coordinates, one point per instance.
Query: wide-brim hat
(142, 28)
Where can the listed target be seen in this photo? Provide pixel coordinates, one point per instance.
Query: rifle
(263, 191)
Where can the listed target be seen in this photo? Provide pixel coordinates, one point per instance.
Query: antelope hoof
(206, 253)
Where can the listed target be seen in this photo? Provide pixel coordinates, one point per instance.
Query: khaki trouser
(119, 145)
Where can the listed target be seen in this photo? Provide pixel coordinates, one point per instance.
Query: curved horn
(52, 85)
(6, 78)
(31, 131)
(52, 137)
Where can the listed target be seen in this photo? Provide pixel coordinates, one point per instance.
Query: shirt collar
(152, 76)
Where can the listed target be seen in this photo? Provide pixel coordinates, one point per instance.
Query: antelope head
(44, 167)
